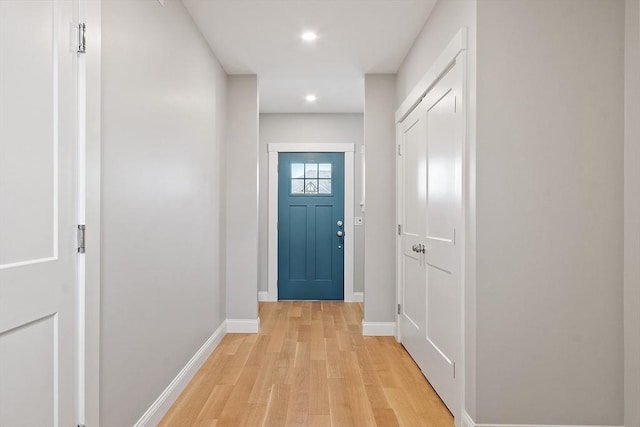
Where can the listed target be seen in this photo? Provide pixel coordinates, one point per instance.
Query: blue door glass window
(311, 178)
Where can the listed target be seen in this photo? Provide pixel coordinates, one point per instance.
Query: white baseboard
(379, 329)
(263, 296)
(163, 403)
(467, 421)
(358, 297)
(243, 326)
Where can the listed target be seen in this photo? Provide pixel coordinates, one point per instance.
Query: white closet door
(37, 230)
(431, 250)
(412, 319)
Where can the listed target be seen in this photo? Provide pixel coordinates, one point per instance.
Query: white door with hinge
(430, 245)
(413, 199)
(38, 254)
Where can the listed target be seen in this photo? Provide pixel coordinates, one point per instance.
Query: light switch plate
(358, 220)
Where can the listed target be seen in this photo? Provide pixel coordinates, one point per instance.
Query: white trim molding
(264, 296)
(467, 421)
(90, 12)
(439, 67)
(167, 398)
(243, 326)
(379, 329)
(358, 297)
(349, 197)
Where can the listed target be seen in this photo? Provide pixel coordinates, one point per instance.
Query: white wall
(446, 19)
(242, 197)
(550, 212)
(632, 215)
(305, 129)
(380, 178)
(163, 102)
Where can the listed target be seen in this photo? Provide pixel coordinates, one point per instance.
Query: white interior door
(37, 228)
(430, 243)
(413, 177)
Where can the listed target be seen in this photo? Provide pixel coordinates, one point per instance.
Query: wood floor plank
(278, 405)
(385, 417)
(308, 366)
(339, 407)
(298, 409)
(254, 415)
(238, 400)
(318, 388)
(214, 405)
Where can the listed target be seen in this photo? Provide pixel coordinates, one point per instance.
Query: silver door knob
(339, 223)
(340, 233)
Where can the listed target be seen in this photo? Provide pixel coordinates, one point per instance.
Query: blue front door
(310, 226)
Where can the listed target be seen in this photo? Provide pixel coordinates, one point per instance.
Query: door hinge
(81, 230)
(399, 149)
(399, 229)
(82, 41)
(399, 309)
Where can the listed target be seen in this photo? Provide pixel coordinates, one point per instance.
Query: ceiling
(355, 37)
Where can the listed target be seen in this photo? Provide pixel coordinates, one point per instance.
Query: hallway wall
(310, 128)
(163, 104)
(242, 199)
(550, 212)
(380, 177)
(632, 215)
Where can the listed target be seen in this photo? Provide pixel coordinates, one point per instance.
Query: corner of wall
(242, 197)
(379, 233)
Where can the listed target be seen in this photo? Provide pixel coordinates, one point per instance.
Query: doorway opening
(311, 190)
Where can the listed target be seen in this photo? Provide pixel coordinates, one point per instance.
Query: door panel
(37, 229)
(444, 215)
(444, 181)
(298, 247)
(310, 205)
(29, 345)
(431, 214)
(29, 157)
(325, 236)
(414, 204)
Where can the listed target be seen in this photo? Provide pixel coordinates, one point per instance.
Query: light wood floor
(309, 366)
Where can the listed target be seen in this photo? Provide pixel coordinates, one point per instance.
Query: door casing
(349, 197)
(90, 12)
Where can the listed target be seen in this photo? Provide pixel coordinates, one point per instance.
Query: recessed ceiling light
(311, 98)
(309, 36)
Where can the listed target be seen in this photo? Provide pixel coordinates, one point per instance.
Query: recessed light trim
(311, 98)
(309, 36)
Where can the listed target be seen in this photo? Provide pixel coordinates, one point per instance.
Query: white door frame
(88, 305)
(455, 51)
(349, 196)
